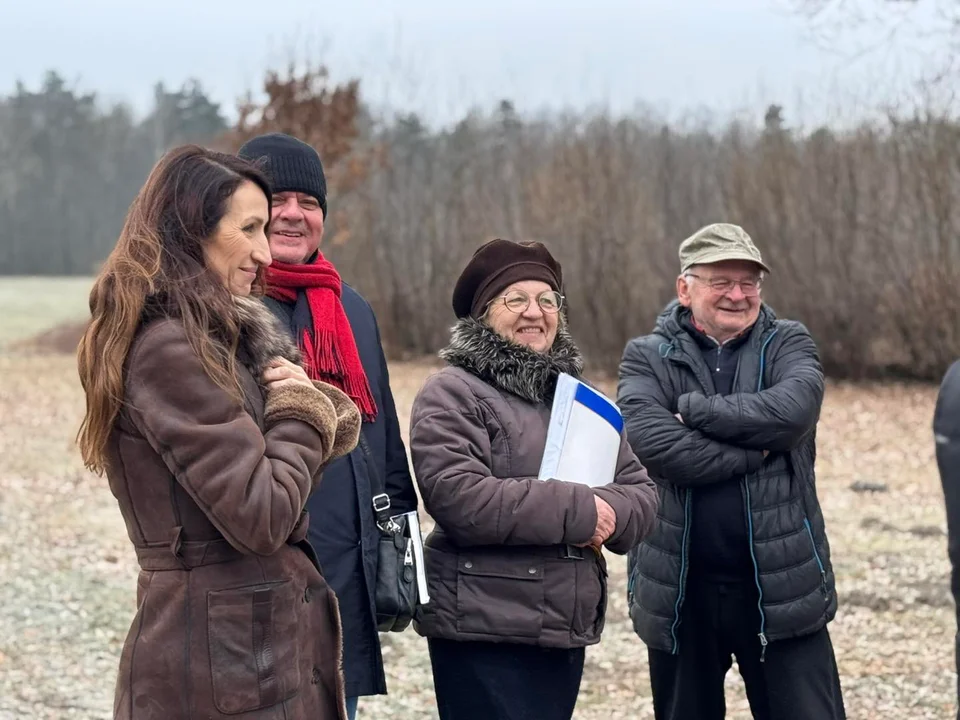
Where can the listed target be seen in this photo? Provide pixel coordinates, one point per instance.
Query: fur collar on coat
(510, 367)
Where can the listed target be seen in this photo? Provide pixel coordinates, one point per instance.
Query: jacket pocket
(591, 605)
(253, 639)
(500, 596)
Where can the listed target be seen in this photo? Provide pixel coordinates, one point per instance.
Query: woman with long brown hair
(212, 437)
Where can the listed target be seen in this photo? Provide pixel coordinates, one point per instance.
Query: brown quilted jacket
(502, 563)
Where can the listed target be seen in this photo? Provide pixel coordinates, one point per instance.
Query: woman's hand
(281, 372)
(606, 523)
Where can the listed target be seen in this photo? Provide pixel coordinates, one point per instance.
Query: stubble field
(68, 573)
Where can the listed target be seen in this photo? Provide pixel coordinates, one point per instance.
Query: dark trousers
(494, 681)
(950, 477)
(797, 680)
(951, 495)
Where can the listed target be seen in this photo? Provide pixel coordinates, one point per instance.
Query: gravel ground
(67, 573)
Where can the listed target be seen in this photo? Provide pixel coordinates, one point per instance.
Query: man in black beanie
(338, 334)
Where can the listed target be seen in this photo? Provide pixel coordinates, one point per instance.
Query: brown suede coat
(502, 563)
(234, 619)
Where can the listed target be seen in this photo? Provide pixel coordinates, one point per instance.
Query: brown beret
(498, 264)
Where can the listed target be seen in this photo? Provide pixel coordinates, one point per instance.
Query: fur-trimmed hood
(510, 367)
(262, 337)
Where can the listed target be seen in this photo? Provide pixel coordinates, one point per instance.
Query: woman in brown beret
(516, 575)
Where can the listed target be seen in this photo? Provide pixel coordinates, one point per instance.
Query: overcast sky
(439, 57)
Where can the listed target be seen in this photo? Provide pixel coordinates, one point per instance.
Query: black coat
(342, 525)
(946, 429)
(774, 406)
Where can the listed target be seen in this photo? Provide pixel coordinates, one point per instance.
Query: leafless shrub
(859, 226)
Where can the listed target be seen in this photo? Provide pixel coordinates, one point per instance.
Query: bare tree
(870, 27)
(305, 103)
(861, 226)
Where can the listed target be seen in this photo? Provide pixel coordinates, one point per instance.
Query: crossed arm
(719, 437)
(774, 419)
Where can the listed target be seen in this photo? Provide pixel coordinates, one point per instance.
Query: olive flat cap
(716, 243)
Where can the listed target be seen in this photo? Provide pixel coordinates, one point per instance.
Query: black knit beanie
(291, 165)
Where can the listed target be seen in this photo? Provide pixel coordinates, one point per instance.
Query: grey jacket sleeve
(774, 419)
(451, 450)
(674, 453)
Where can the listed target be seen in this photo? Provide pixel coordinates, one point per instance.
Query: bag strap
(381, 501)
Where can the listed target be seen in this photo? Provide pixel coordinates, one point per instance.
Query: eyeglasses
(518, 301)
(722, 286)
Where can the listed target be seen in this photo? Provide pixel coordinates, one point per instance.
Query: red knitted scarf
(329, 349)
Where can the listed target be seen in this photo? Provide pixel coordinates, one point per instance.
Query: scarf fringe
(323, 362)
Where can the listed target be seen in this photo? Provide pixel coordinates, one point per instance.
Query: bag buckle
(381, 502)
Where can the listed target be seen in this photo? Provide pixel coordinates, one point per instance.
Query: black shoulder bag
(396, 592)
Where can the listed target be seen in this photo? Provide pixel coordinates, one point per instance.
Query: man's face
(724, 297)
(296, 227)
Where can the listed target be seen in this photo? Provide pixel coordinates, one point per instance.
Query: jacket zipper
(816, 555)
(685, 543)
(745, 486)
(632, 581)
(683, 572)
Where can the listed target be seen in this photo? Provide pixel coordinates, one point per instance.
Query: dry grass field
(67, 572)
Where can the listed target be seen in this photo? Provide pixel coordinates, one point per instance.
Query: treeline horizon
(859, 225)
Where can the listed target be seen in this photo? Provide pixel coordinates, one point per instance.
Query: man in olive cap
(721, 404)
